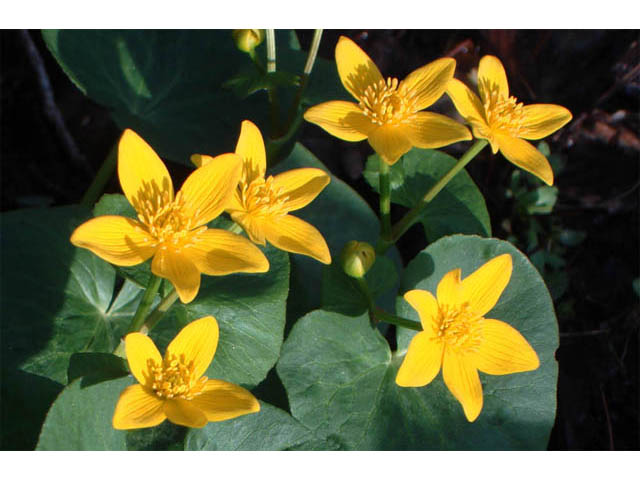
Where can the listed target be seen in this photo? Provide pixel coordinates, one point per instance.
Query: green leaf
(268, 429)
(80, 418)
(167, 85)
(340, 214)
(539, 201)
(458, 208)
(96, 367)
(339, 372)
(253, 80)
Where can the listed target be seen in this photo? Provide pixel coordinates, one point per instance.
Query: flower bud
(247, 40)
(357, 258)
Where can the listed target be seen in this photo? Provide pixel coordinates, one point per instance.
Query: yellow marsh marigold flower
(458, 338)
(173, 387)
(261, 206)
(172, 229)
(388, 112)
(504, 122)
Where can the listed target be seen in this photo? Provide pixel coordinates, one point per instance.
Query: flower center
(174, 378)
(504, 115)
(261, 197)
(165, 219)
(384, 103)
(459, 327)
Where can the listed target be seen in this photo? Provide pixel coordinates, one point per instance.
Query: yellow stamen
(458, 327)
(174, 378)
(261, 198)
(504, 115)
(384, 103)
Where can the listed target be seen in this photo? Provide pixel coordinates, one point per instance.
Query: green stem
(101, 179)
(412, 215)
(145, 304)
(235, 228)
(380, 314)
(311, 58)
(364, 288)
(273, 91)
(160, 310)
(385, 201)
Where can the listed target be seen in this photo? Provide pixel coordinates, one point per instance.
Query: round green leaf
(458, 208)
(339, 372)
(268, 429)
(80, 418)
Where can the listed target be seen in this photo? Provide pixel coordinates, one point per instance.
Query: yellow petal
(219, 252)
(524, 155)
(140, 170)
(250, 148)
(183, 412)
(462, 380)
(483, 288)
(291, 234)
(428, 83)
(137, 408)
(251, 224)
(200, 160)
(356, 70)
(208, 190)
(301, 186)
(140, 349)
(432, 130)
(118, 240)
(197, 342)
(179, 270)
(344, 120)
(504, 350)
(222, 400)
(390, 142)
(426, 305)
(422, 362)
(541, 120)
(492, 77)
(449, 288)
(466, 102)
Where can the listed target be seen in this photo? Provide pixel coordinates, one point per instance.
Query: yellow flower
(458, 338)
(174, 387)
(261, 206)
(503, 122)
(171, 229)
(388, 112)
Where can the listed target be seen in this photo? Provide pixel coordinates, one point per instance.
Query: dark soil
(595, 74)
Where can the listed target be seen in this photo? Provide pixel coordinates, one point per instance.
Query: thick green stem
(311, 58)
(385, 201)
(145, 304)
(101, 179)
(412, 215)
(383, 316)
(364, 288)
(273, 90)
(160, 310)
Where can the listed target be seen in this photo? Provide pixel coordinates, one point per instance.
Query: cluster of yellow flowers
(172, 229)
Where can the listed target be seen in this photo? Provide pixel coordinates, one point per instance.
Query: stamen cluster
(261, 197)
(174, 378)
(504, 115)
(458, 326)
(384, 103)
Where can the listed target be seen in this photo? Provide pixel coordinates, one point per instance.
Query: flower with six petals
(457, 337)
(174, 387)
(504, 122)
(261, 205)
(388, 113)
(172, 229)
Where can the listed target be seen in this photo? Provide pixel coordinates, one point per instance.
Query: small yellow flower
(261, 206)
(388, 112)
(504, 122)
(458, 338)
(171, 229)
(173, 387)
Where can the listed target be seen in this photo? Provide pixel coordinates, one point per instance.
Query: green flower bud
(357, 258)
(247, 40)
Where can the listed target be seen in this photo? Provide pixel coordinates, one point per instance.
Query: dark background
(596, 74)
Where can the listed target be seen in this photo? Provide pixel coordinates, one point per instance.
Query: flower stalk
(381, 315)
(160, 310)
(107, 169)
(145, 304)
(385, 201)
(273, 91)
